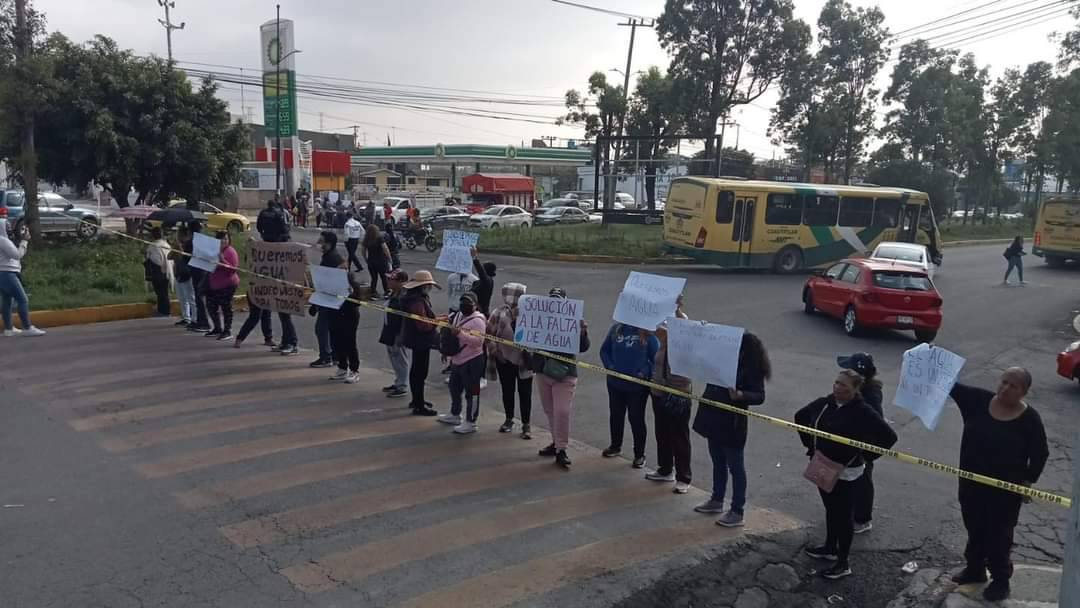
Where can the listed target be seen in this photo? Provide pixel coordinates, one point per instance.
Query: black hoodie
(854, 420)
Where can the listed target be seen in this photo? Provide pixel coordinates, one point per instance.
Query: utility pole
(1070, 572)
(633, 24)
(724, 123)
(169, 25)
(28, 153)
(277, 94)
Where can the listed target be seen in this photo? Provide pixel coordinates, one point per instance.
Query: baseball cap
(863, 363)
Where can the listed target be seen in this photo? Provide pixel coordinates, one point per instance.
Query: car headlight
(1075, 346)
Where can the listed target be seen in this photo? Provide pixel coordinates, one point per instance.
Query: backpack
(449, 345)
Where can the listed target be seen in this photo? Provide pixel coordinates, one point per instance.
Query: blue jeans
(726, 459)
(185, 294)
(11, 289)
(322, 333)
(1016, 262)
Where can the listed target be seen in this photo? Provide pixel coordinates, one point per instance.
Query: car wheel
(1054, 261)
(235, 227)
(851, 321)
(808, 302)
(925, 335)
(86, 229)
(526, 225)
(494, 226)
(788, 260)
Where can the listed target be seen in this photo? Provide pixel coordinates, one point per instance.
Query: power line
(987, 14)
(946, 18)
(1013, 22)
(601, 10)
(1008, 29)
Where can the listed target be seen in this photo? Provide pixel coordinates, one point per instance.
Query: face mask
(426, 289)
(510, 299)
(467, 308)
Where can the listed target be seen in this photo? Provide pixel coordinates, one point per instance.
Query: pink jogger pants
(557, 398)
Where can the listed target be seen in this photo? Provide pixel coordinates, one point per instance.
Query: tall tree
(610, 103)
(727, 53)
(1062, 131)
(653, 113)
(921, 80)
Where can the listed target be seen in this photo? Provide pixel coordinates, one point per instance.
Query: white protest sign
(552, 324)
(455, 255)
(927, 375)
(704, 352)
(647, 299)
(331, 286)
(206, 250)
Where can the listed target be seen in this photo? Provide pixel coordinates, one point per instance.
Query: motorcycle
(413, 238)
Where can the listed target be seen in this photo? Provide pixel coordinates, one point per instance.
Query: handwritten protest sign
(331, 286)
(647, 299)
(552, 324)
(283, 261)
(205, 252)
(927, 375)
(455, 255)
(704, 352)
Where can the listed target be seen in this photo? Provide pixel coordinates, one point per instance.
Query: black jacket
(873, 395)
(392, 324)
(272, 226)
(483, 287)
(855, 420)
(1014, 249)
(728, 428)
(417, 335)
(180, 267)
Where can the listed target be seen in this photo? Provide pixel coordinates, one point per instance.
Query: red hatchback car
(1069, 362)
(865, 293)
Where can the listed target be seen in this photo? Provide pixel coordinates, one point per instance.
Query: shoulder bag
(823, 471)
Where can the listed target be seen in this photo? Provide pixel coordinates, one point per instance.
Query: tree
(920, 85)
(610, 103)
(1062, 131)
(1070, 44)
(653, 113)
(726, 53)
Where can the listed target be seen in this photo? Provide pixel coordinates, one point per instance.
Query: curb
(595, 259)
(104, 314)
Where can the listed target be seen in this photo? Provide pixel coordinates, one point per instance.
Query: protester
(369, 213)
(630, 351)
(354, 231)
(1014, 254)
(457, 283)
(393, 243)
(159, 270)
(302, 208)
(1003, 438)
(507, 363)
(419, 337)
(11, 287)
(317, 211)
(343, 326)
(199, 283)
(671, 419)
(872, 394)
(256, 316)
(392, 337)
(467, 365)
(557, 383)
(185, 291)
(377, 254)
(223, 283)
(273, 229)
(842, 413)
(323, 316)
(484, 284)
(726, 432)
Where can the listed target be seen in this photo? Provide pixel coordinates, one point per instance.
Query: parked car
(445, 217)
(559, 202)
(1068, 362)
(56, 215)
(399, 205)
(501, 216)
(908, 254)
(868, 293)
(561, 215)
(216, 219)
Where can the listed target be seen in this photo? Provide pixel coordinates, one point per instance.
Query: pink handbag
(823, 471)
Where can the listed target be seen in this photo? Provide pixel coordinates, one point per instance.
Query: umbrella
(176, 215)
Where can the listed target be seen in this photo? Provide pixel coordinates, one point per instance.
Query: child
(467, 365)
(391, 337)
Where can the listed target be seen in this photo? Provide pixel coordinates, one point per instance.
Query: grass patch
(631, 241)
(107, 270)
(1002, 229)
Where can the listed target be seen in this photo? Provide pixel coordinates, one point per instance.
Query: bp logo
(273, 51)
(511, 152)
(440, 151)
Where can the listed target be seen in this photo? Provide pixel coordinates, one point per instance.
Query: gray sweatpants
(399, 360)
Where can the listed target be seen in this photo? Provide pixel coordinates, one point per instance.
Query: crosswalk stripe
(150, 392)
(516, 583)
(323, 470)
(227, 454)
(279, 526)
(353, 565)
(201, 404)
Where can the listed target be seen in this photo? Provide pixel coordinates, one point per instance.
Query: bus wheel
(787, 260)
(1054, 261)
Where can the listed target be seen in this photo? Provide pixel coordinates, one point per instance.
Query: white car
(399, 205)
(908, 254)
(501, 216)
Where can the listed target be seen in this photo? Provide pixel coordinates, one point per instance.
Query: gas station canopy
(472, 154)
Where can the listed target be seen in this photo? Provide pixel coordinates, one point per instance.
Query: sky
(530, 50)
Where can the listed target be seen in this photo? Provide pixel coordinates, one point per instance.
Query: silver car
(56, 214)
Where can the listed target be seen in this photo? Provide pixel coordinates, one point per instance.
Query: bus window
(820, 210)
(856, 211)
(886, 212)
(783, 210)
(926, 221)
(725, 206)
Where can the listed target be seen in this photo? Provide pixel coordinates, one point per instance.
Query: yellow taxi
(216, 219)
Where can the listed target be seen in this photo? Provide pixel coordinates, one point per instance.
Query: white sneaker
(681, 487)
(340, 374)
(33, 332)
(465, 428)
(12, 332)
(352, 378)
(449, 419)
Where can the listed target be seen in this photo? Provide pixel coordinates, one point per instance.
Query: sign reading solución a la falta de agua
(552, 324)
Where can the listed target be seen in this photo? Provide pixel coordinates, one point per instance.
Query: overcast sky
(531, 48)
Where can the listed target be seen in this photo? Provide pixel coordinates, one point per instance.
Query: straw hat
(421, 278)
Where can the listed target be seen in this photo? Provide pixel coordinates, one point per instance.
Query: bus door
(908, 229)
(742, 227)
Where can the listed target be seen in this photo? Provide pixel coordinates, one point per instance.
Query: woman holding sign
(1003, 438)
(507, 363)
(556, 383)
(223, 283)
(630, 351)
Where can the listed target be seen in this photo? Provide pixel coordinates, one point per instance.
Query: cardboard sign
(552, 324)
(927, 375)
(206, 250)
(704, 352)
(647, 300)
(455, 255)
(331, 286)
(285, 262)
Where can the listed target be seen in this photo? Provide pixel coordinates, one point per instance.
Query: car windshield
(491, 211)
(902, 280)
(903, 254)
(553, 211)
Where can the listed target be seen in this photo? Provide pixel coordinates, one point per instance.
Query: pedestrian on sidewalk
(507, 363)
(377, 254)
(159, 270)
(1003, 438)
(185, 291)
(842, 413)
(354, 231)
(467, 364)
(223, 283)
(199, 282)
(11, 287)
(343, 326)
(873, 393)
(392, 336)
(330, 259)
(727, 432)
(419, 336)
(671, 419)
(556, 384)
(1014, 255)
(630, 351)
